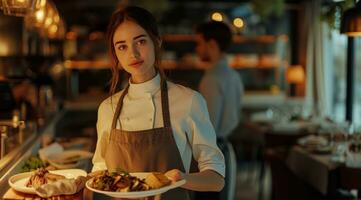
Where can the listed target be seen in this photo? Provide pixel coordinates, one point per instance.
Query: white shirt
(222, 88)
(189, 119)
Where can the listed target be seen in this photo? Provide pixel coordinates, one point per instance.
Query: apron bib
(152, 150)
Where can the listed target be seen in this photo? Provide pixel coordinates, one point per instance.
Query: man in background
(221, 85)
(222, 88)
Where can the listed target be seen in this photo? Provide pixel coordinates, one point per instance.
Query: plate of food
(131, 185)
(322, 149)
(69, 159)
(28, 181)
(312, 141)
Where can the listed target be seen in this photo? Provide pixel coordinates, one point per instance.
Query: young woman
(153, 124)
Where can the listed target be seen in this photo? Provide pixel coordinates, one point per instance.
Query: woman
(153, 124)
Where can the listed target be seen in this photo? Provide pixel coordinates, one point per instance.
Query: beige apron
(145, 150)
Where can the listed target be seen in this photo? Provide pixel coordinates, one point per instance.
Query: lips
(136, 63)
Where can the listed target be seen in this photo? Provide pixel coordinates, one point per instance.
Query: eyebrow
(136, 37)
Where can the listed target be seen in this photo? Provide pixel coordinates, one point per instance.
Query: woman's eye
(141, 42)
(122, 47)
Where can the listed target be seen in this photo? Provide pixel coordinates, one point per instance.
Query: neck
(143, 77)
(215, 58)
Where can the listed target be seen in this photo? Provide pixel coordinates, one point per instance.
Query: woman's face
(135, 51)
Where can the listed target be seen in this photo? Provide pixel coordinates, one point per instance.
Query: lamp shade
(18, 8)
(351, 21)
(295, 74)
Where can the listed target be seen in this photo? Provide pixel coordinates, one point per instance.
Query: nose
(135, 51)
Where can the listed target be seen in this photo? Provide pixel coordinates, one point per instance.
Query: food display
(313, 141)
(124, 182)
(70, 159)
(42, 176)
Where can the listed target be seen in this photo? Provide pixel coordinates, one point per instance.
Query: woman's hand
(207, 180)
(175, 175)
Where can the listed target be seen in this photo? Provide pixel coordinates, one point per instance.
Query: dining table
(322, 172)
(317, 170)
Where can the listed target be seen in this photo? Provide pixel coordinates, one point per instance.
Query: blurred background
(292, 58)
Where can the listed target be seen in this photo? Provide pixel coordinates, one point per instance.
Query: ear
(212, 43)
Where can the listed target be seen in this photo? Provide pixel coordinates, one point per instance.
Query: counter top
(11, 164)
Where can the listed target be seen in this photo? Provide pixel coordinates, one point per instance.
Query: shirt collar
(222, 63)
(137, 90)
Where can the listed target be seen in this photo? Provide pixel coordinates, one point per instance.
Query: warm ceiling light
(18, 8)
(217, 16)
(53, 29)
(351, 21)
(238, 22)
(42, 3)
(48, 21)
(39, 15)
(56, 18)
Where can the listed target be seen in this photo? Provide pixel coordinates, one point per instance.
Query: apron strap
(119, 108)
(164, 101)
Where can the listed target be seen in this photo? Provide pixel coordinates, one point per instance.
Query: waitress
(153, 124)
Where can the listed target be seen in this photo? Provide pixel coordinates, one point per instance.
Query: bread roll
(157, 180)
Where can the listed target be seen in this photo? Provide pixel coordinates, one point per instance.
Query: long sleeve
(211, 91)
(142, 110)
(203, 140)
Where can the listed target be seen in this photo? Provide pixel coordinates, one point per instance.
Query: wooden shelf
(266, 63)
(236, 39)
(86, 64)
(172, 64)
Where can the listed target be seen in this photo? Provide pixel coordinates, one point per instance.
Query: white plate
(18, 181)
(57, 159)
(133, 195)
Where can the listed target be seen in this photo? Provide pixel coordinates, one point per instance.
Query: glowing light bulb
(217, 16)
(238, 22)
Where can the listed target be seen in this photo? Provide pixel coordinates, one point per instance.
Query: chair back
(229, 189)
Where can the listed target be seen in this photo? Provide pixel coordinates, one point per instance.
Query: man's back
(222, 88)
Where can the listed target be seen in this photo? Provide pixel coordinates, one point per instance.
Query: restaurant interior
(299, 135)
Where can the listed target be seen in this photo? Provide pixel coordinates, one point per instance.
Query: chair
(248, 141)
(229, 189)
(350, 179)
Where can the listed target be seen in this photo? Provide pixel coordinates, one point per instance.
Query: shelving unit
(254, 57)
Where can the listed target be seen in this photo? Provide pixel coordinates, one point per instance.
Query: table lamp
(295, 75)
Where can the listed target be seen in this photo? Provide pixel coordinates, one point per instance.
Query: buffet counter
(12, 162)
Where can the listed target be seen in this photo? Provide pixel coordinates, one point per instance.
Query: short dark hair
(218, 31)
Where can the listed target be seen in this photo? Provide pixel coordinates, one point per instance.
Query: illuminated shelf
(86, 64)
(236, 39)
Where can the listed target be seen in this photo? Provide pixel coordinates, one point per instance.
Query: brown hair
(144, 19)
